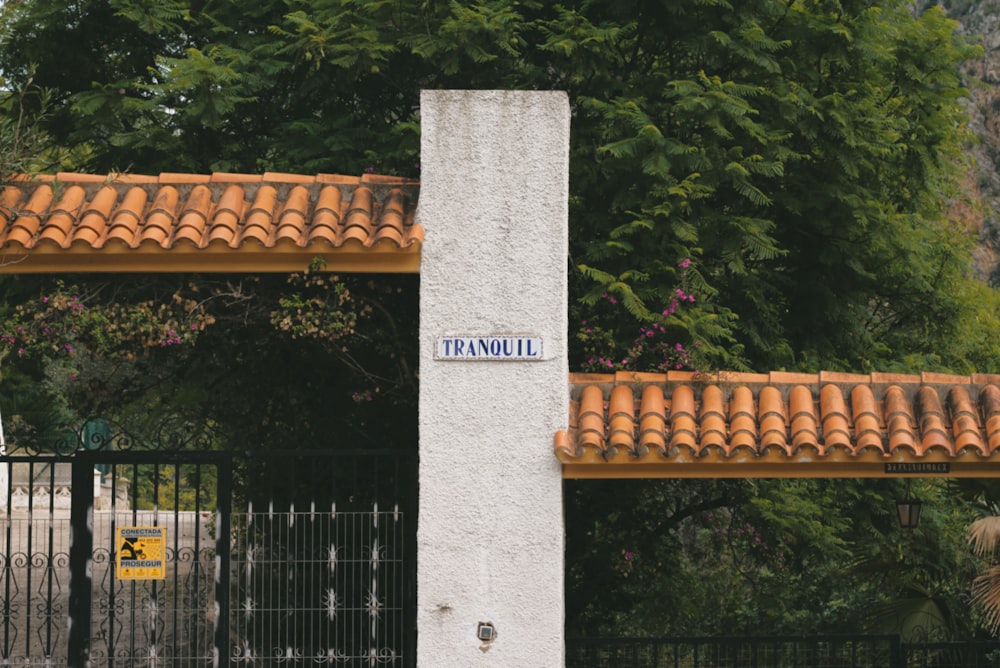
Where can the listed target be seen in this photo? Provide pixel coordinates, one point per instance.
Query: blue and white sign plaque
(514, 348)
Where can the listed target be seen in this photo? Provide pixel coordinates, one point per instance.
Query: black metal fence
(263, 558)
(863, 651)
(323, 567)
(966, 654)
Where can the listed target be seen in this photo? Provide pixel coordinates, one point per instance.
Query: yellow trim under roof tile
(212, 260)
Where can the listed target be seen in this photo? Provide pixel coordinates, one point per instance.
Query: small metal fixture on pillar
(908, 510)
(486, 632)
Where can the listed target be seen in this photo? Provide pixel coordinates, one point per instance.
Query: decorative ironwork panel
(168, 621)
(143, 434)
(323, 566)
(34, 561)
(318, 587)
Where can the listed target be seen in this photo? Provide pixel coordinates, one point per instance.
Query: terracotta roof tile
(326, 220)
(683, 425)
(836, 428)
(125, 219)
(228, 214)
(62, 216)
(94, 220)
(632, 425)
(237, 178)
(652, 421)
(901, 427)
(802, 420)
(69, 177)
(621, 419)
(930, 414)
(208, 222)
(283, 177)
(713, 420)
(742, 420)
(590, 418)
(989, 399)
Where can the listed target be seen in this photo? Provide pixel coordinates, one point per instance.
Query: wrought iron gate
(323, 568)
(301, 558)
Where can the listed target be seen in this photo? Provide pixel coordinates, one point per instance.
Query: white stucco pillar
(493, 202)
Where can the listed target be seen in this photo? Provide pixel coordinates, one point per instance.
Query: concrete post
(493, 202)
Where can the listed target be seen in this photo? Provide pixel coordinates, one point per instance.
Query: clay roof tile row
(659, 419)
(53, 215)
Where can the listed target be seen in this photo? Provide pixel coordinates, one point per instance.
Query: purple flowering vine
(655, 347)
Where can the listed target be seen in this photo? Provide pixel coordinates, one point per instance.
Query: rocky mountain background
(979, 21)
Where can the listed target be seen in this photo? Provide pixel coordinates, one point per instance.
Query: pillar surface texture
(493, 203)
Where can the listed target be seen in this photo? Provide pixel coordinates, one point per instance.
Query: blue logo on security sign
(487, 348)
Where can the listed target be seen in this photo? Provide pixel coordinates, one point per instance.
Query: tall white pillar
(494, 206)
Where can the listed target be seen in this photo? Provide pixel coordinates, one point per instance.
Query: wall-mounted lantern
(909, 513)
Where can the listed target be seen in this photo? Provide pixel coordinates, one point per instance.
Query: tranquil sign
(485, 348)
(141, 553)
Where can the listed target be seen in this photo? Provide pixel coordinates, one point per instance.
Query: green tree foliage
(258, 362)
(22, 142)
(802, 154)
(731, 557)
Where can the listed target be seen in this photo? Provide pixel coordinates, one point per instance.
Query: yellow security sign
(142, 553)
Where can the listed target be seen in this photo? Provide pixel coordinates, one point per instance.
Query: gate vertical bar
(80, 553)
(50, 567)
(410, 502)
(112, 593)
(896, 652)
(30, 550)
(196, 640)
(222, 556)
(176, 579)
(154, 611)
(7, 647)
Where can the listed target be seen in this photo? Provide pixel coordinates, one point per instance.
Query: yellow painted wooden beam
(389, 260)
(779, 465)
